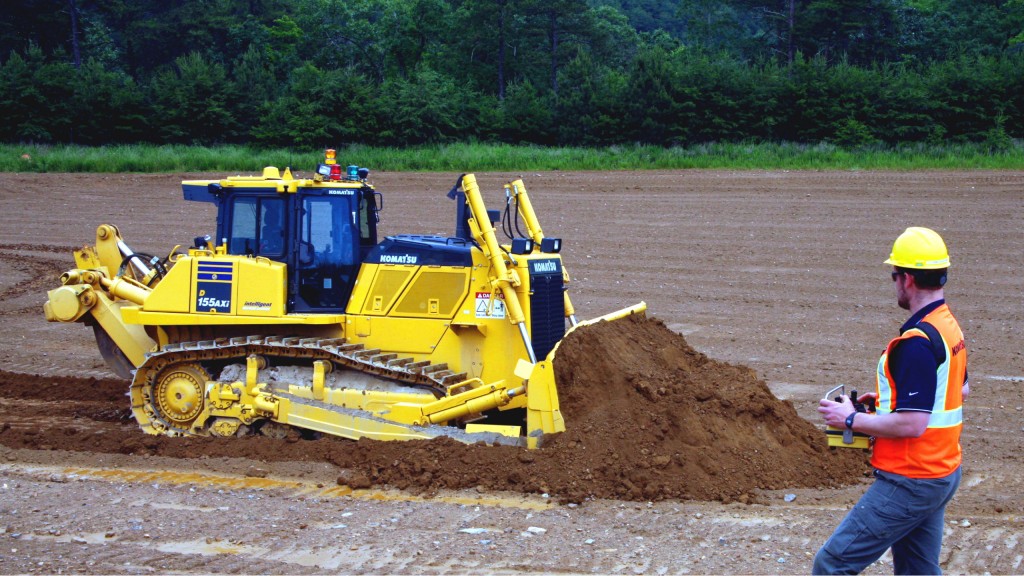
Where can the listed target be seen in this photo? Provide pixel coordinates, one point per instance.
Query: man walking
(921, 385)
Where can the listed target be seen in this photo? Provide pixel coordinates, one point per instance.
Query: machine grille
(547, 308)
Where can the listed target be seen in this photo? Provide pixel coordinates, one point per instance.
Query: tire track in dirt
(34, 369)
(41, 273)
(202, 556)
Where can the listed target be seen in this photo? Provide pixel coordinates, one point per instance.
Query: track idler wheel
(177, 395)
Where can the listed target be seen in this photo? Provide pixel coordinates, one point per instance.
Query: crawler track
(387, 367)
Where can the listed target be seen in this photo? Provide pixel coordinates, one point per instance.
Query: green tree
(651, 112)
(591, 102)
(563, 21)
(727, 99)
(190, 102)
(35, 98)
(647, 16)
(903, 108)
(19, 96)
(423, 30)
(710, 24)
(426, 108)
(319, 106)
(823, 99)
(44, 24)
(99, 43)
(1017, 6)
(485, 45)
(283, 39)
(107, 106)
(527, 115)
(862, 31)
(367, 36)
(971, 96)
(253, 86)
(611, 40)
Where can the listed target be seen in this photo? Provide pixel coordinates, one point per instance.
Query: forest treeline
(556, 72)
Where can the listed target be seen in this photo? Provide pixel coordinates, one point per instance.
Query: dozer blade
(112, 354)
(355, 424)
(638, 308)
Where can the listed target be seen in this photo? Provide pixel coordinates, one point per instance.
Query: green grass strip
(500, 157)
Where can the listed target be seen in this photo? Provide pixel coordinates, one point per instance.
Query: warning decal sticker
(485, 308)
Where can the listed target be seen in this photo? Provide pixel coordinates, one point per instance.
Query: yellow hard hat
(919, 248)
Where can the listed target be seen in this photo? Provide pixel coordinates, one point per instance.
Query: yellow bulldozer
(295, 317)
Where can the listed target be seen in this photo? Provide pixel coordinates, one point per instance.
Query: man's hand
(863, 398)
(835, 413)
(909, 424)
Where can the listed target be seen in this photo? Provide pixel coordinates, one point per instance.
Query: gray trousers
(905, 514)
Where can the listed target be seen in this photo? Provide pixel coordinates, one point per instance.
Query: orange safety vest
(936, 453)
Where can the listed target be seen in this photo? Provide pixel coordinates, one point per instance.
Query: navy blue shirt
(913, 367)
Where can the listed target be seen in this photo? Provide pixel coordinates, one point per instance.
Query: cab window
(257, 227)
(272, 227)
(327, 226)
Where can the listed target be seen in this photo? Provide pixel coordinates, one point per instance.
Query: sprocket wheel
(178, 394)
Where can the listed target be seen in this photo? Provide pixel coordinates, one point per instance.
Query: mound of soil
(648, 418)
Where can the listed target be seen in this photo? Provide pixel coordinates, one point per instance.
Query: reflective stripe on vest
(936, 453)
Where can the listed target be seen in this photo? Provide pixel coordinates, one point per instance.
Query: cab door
(327, 254)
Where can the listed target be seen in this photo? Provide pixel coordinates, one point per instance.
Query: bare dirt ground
(776, 271)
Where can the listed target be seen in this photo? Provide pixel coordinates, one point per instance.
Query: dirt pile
(648, 418)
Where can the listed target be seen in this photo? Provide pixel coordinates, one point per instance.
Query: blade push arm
(502, 278)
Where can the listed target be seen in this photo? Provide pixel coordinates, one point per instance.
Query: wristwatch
(849, 420)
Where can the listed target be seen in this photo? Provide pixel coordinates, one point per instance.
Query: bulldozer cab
(321, 231)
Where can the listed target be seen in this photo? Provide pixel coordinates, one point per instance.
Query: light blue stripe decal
(884, 403)
(942, 379)
(946, 419)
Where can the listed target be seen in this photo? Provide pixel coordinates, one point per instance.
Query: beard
(903, 300)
